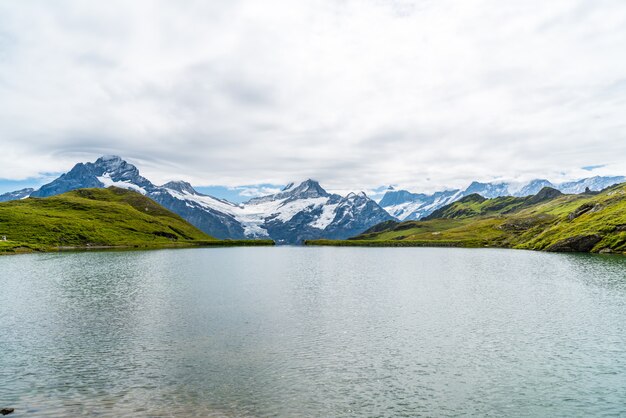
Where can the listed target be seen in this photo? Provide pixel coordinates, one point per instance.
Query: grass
(98, 218)
(546, 222)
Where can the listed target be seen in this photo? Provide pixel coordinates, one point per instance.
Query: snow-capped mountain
(16, 195)
(488, 190)
(411, 206)
(593, 183)
(207, 213)
(298, 212)
(109, 170)
(532, 188)
(405, 205)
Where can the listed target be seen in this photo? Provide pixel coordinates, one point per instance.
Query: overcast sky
(356, 94)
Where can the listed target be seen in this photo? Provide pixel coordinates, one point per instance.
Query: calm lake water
(320, 332)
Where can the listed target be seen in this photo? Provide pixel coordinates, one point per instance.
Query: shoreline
(27, 248)
(440, 244)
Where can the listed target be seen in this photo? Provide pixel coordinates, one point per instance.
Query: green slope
(547, 221)
(95, 218)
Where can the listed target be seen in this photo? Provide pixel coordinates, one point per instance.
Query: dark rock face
(582, 209)
(16, 195)
(579, 244)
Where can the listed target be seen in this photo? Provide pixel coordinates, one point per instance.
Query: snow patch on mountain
(326, 217)
(107, 181)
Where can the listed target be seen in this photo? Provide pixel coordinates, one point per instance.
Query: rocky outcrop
(584, 208)
(581, 210)
(576, 244)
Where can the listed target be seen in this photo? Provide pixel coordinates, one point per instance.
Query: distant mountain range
(407, 206)
(549, 220)
(299, 212)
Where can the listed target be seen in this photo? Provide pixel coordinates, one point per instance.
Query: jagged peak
(355, 196)
(180, 186)
(310, 183)
(113, 163)
(309, 187)
(305, 190)
(109, 158)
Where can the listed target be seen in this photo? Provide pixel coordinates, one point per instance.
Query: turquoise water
(291, 331)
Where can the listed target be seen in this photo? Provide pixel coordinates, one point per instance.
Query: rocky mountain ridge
(298, 212)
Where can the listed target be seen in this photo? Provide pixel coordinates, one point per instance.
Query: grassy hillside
(547, 221)
(93, 218)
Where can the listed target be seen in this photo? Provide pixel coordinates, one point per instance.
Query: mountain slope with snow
(298, 212)
(109, 170)
(16, 195)
(406, 206)
(305, 211)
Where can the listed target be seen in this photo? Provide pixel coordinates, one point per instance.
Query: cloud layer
(420, 94)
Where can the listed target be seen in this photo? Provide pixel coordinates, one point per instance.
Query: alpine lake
(313, 332)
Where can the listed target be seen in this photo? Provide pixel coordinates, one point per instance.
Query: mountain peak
(307, 189)
(180, 186)
(108, 170)
(109, 158)
(310, 183)
(112, 162)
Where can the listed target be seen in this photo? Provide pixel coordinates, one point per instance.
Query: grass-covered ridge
(97, 218)
(594, 222)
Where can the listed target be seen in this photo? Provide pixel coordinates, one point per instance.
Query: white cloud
(422, 94)
(254, 191)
